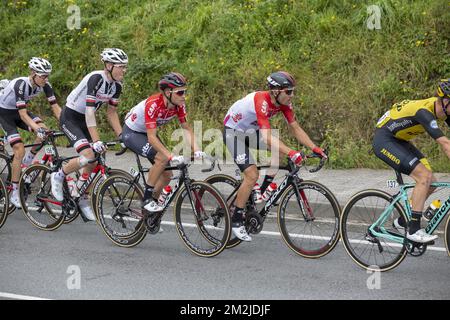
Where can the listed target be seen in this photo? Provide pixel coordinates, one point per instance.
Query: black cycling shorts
(239, 144)
(401, 155)
(73, 124)
(138, 143)
(10, 120)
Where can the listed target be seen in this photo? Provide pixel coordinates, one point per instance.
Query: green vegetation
(348, 75)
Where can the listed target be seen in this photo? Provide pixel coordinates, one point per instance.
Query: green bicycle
(369, 235)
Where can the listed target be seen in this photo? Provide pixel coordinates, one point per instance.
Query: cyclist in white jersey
(247, 127)
(79, 124)
(14, 100)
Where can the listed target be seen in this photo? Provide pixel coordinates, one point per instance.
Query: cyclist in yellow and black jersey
(403, 122)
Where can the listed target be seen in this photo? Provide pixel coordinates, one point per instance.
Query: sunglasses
(42, 76)
(179, 92)
(289, 92)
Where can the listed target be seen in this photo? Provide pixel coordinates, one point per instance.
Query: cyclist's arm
(93, 85)
(156, 144)
(444, 142)
(300, 135)
(49, 93)
(113, 119)
(26, 118)
(189, 134)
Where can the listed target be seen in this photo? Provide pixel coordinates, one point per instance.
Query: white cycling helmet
(40, 65)
(114, 55)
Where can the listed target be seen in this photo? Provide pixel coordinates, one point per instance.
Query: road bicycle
(368, 233)
(200, 213)
(38, 203)
(6, 159)
(308, 212)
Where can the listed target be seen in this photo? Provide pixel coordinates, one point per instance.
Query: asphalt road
(78, 262)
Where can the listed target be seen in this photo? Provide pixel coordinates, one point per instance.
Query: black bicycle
(308, 212)
(201, 215)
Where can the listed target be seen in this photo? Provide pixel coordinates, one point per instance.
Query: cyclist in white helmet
(14, 100)
(78, 119)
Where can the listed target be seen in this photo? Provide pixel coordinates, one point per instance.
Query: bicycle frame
(402, 196)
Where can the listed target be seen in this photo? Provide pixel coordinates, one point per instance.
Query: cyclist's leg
(238, 145)
(31, 153)
(405, 158)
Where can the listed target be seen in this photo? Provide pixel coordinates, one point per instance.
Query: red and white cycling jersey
(152, 113)
(254, 112)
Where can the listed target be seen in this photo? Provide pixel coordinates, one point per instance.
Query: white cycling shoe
(15, 200)
(421, 236)
(239, 231)
(86, 209)
(57, 187)
(152, 206)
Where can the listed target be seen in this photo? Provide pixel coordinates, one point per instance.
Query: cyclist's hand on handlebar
(296, 157)
(41, 133)
(99, 146)
(122, 145)
(177, 159)
(320, 152)
(199, 155)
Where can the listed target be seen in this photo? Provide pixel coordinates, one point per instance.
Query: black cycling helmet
(443, 89)
(280, 80)
(172, 80)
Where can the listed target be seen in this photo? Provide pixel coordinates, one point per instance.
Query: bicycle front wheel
(119, 211)
(367, 250)
(202, 219)
(4, 203)
(309, 220)
(447, 235)
(38, 204)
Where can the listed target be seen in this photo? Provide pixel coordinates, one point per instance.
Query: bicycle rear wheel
(119, 206)
(309, 221)
(4, 203)
(5, 175)
(202, 219)
(227, 187)
(368, 251)
(38, 204)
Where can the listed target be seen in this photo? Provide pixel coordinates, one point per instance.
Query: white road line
(277, 234)
(19, 297)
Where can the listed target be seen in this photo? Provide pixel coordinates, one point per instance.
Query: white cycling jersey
(20, 91)
(94, 90)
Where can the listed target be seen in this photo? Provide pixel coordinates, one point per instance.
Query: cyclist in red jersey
(140, 133)
(247, 121)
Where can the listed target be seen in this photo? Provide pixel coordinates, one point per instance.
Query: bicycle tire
(202, 239)
(99, 179)
(217, 180)
(134, 233)
(40, 183)
(357, 227)
(5, 175)
(447, 235)
(320, 212)
(4, 203)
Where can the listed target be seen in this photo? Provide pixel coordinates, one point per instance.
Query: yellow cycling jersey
(410, 118)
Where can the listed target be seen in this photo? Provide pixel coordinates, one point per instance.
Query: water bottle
(270, 189)
(82, 180)
(164, 194)
(431, 210)
(257, 193)
(72, 187)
